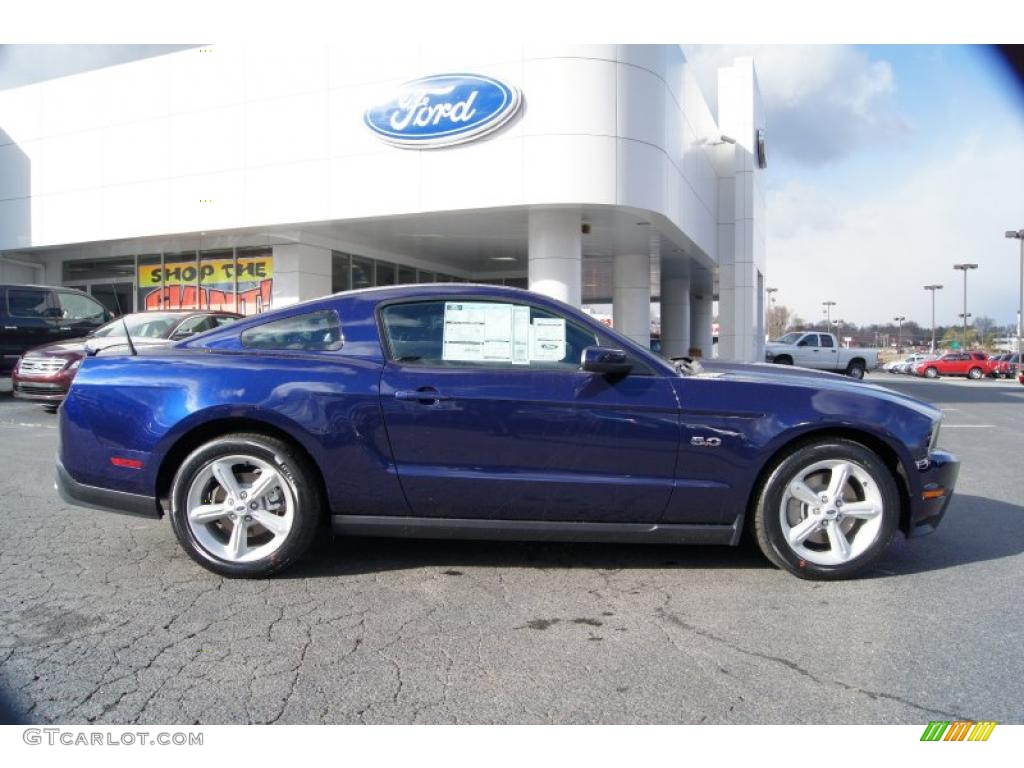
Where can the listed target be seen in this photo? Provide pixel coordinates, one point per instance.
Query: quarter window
(313, 332)
(459, 334)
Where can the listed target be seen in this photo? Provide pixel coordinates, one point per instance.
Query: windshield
(790, 338)
(151, 325)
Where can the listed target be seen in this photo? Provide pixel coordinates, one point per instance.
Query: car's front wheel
(931, 372)
(827, 510)
(974, 373)
(245, 505)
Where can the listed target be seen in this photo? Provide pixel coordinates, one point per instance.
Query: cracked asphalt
(104, 620)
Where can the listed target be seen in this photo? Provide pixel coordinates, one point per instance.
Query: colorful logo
(959, 730)
(442, 110)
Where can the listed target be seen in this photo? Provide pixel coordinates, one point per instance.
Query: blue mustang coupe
(471, 411)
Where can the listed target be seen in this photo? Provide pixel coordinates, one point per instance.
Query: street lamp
(828, 313)
(933, 288)
(1019, 235)
(964, 268)
(839, 332)
(899, 331)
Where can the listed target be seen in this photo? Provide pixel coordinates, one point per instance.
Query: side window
(220, 320)
(29, 302)
(75, 307)
(483, 334)
(826, 340)
(192, 326)
(312, 332)
(810, 340)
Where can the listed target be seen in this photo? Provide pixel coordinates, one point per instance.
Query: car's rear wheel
(974, 373)
(855, 370)
(931, 372)
(245, 505)
(827, 510)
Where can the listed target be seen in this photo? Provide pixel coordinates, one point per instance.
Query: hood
(72, 348)
(789, 375)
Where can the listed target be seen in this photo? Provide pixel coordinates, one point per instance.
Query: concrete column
(675, 316)
(701, 317)
(631, 296)
(555, 258)
(300, 272)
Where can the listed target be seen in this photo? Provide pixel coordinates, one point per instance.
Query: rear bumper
(81, 495)
(940, 475)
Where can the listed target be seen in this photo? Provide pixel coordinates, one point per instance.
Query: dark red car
(1006, 365)
(973, 365)
(45, 373)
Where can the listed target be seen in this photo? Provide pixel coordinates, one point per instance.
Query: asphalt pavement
(104, 620)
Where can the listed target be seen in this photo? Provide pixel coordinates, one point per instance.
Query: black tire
(292, 468)
(931, 372)
(768, 526)
(783, 360)
(855, 370)
(974, 373)
(51, 407)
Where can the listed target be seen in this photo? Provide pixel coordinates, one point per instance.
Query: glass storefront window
(341, 278)
(385, 273)
(362, 273)
(406, 275)
(426, 277)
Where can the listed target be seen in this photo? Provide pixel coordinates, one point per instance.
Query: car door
(489, 416)
(828, 353)
(807, 351)
(26, 323)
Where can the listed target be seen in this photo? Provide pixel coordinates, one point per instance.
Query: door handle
(423, 396)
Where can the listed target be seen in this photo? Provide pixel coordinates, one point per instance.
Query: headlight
(933, 441)
(75, 364)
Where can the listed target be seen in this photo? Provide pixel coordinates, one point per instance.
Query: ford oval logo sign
(442, 110)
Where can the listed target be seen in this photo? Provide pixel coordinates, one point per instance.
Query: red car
(45, 373)
(973, 365)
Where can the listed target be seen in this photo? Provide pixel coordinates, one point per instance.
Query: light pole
(965, 268)
(771, 301)
(1019, 235)
(933, 288)
(899, 331)
(828, 313)
(839, 332)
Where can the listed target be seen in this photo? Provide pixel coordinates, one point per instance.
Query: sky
(887, 165)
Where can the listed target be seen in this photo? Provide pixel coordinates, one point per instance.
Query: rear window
(313, 332)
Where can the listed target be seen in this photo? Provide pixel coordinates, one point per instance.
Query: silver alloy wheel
(239, 508)
(831, 512)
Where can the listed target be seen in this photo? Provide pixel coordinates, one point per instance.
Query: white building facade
(257, 177)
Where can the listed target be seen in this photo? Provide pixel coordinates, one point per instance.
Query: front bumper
(46, 389)
(926, 507)
(81, 495)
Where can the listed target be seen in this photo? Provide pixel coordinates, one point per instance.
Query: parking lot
(103, 619)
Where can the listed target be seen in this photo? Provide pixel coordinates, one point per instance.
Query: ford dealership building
(252, 178)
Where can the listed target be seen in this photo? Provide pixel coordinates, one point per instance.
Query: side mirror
(605, 360)
(179, 335)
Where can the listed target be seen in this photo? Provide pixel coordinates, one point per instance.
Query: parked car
(973, 365)
(1005, 366)
(821, 351)
(471, 411)
(907, 364)
(46, 372)
(32, 315)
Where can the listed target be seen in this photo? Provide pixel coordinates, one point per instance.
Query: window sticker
(547, 339)
(485, 332)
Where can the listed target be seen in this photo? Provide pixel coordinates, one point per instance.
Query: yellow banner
(213, 272)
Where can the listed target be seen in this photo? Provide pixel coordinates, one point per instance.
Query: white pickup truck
(811, 349)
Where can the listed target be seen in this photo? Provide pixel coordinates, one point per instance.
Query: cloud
(822, 102)
(873, 255)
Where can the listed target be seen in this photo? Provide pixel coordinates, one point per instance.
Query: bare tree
(778, 320)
